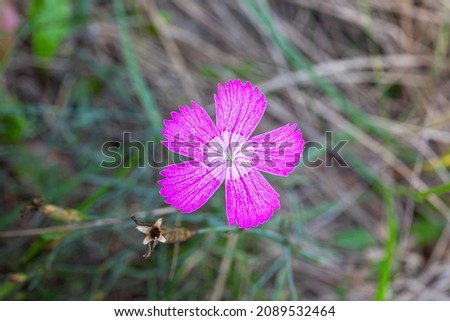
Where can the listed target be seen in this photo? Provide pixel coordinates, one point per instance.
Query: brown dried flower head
(155, 233)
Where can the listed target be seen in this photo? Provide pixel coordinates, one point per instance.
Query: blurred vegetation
(78, 74)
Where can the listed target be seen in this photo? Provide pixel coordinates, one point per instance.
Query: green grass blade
(263, 17)
(420, 196)
(290, 274)
(137, 78)
(390, 246)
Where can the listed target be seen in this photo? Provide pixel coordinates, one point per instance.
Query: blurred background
(75, 74)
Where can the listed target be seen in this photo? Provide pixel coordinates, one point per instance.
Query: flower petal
(239, 107)
(187, 186)
(143, 229)
(250, 199)
(158, 223)
(279, 151)
(189, 130)
(147, 240)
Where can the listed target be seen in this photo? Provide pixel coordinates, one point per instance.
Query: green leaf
(12, 124)
(354, 239)
(210, 73)
(426, 232)
(52, 23)
(6, 288)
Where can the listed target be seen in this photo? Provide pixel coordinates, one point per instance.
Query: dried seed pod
(61, 214)
(155, 233)
(176, 234)
(33, 207)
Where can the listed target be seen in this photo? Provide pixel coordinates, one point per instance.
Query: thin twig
(63, 228)
(82, 225)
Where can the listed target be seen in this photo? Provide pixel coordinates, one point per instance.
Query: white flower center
(230, 152)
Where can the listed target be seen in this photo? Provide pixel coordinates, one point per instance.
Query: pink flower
(9, 22)
(225, 152)
(9, 18)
